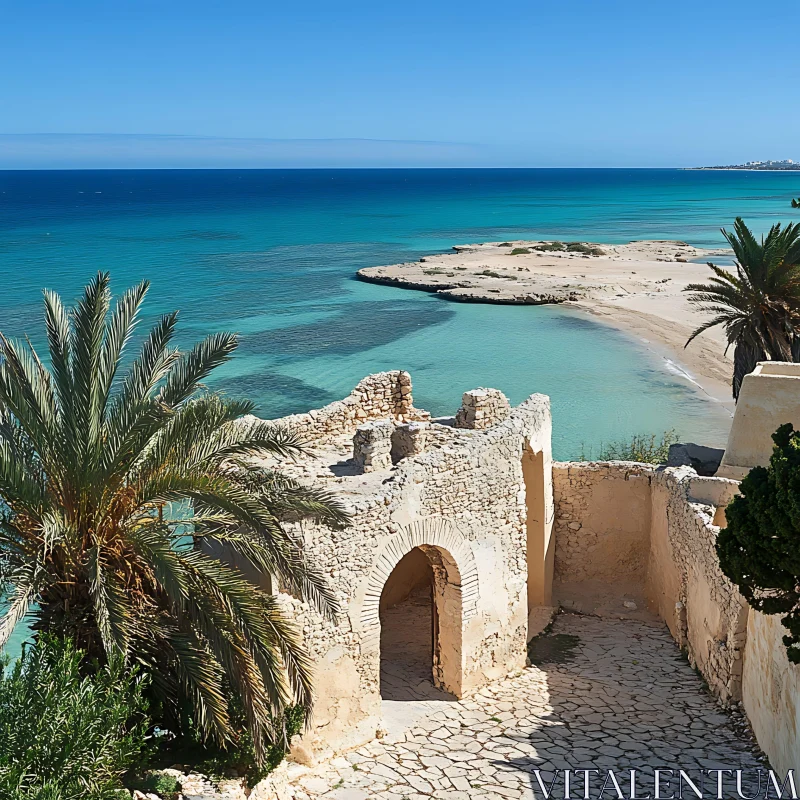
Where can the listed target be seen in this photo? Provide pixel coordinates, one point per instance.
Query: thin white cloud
(116, 151)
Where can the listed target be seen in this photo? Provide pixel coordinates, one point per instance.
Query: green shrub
(65, 735)
(643, 448)
(550, 247)
(216, 762)
(759, 550)
(157, 783)
(580, 247)
(519, 251)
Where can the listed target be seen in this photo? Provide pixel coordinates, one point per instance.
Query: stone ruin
(482, 408)
(466, 537)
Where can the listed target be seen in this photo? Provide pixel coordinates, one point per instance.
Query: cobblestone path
(606, 694)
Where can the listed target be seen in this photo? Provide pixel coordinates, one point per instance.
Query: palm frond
(59, 342)
(759, 306)
(117, 335)
(26, 581)
(185, 376)
(112, 608)
(109, 485)
(88, 326)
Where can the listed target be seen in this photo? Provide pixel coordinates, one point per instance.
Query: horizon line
(364, 169)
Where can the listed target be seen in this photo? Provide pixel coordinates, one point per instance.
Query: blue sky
(570, 83)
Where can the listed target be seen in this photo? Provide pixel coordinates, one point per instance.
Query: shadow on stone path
(407, 690)
(621, 696)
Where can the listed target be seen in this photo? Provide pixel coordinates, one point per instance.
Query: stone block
(482, 408)
(408, 440)
(372, 446)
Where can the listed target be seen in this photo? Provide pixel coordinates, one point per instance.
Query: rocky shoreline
(529, 272)
(464, 292)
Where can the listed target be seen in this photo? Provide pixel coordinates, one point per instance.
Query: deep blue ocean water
(272, 254)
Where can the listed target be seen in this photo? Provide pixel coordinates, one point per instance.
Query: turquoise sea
(271, 254)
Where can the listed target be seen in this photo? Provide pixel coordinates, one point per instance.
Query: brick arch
(430, 532)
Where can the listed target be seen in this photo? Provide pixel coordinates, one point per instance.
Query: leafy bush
(519, 251)
(240, 756)
(550, 247)
(65, 735)
(760, 549)
(157, 783)
(643, 448)
(580, 247)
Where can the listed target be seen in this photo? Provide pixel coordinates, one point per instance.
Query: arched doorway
(420, 620)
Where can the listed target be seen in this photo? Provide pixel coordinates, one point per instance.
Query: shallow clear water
(271, 254)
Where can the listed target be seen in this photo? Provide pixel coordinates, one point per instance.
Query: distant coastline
(787, 165)
(742, 169)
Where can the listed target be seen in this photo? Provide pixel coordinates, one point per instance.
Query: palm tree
(108, 486)
(759, 304)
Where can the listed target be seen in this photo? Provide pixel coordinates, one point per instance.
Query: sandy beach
(636, 287)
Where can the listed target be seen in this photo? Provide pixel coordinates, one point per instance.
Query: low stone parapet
(384, 395)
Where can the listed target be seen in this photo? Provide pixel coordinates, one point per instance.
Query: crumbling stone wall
(482, 408)
(379, 396)
(372, 445)
(409, 439)
(458, 494)
(703, 610)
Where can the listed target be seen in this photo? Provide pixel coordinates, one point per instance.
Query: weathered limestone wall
(460, 496)
(537, 469)
(482, 408)
(408, 439)
(767, 400)
(703, 610)
(738, 651)
(602, 534)
(372, 445)
(771, 692)
(379, 396)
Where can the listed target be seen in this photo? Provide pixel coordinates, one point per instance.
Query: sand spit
(637, 287)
